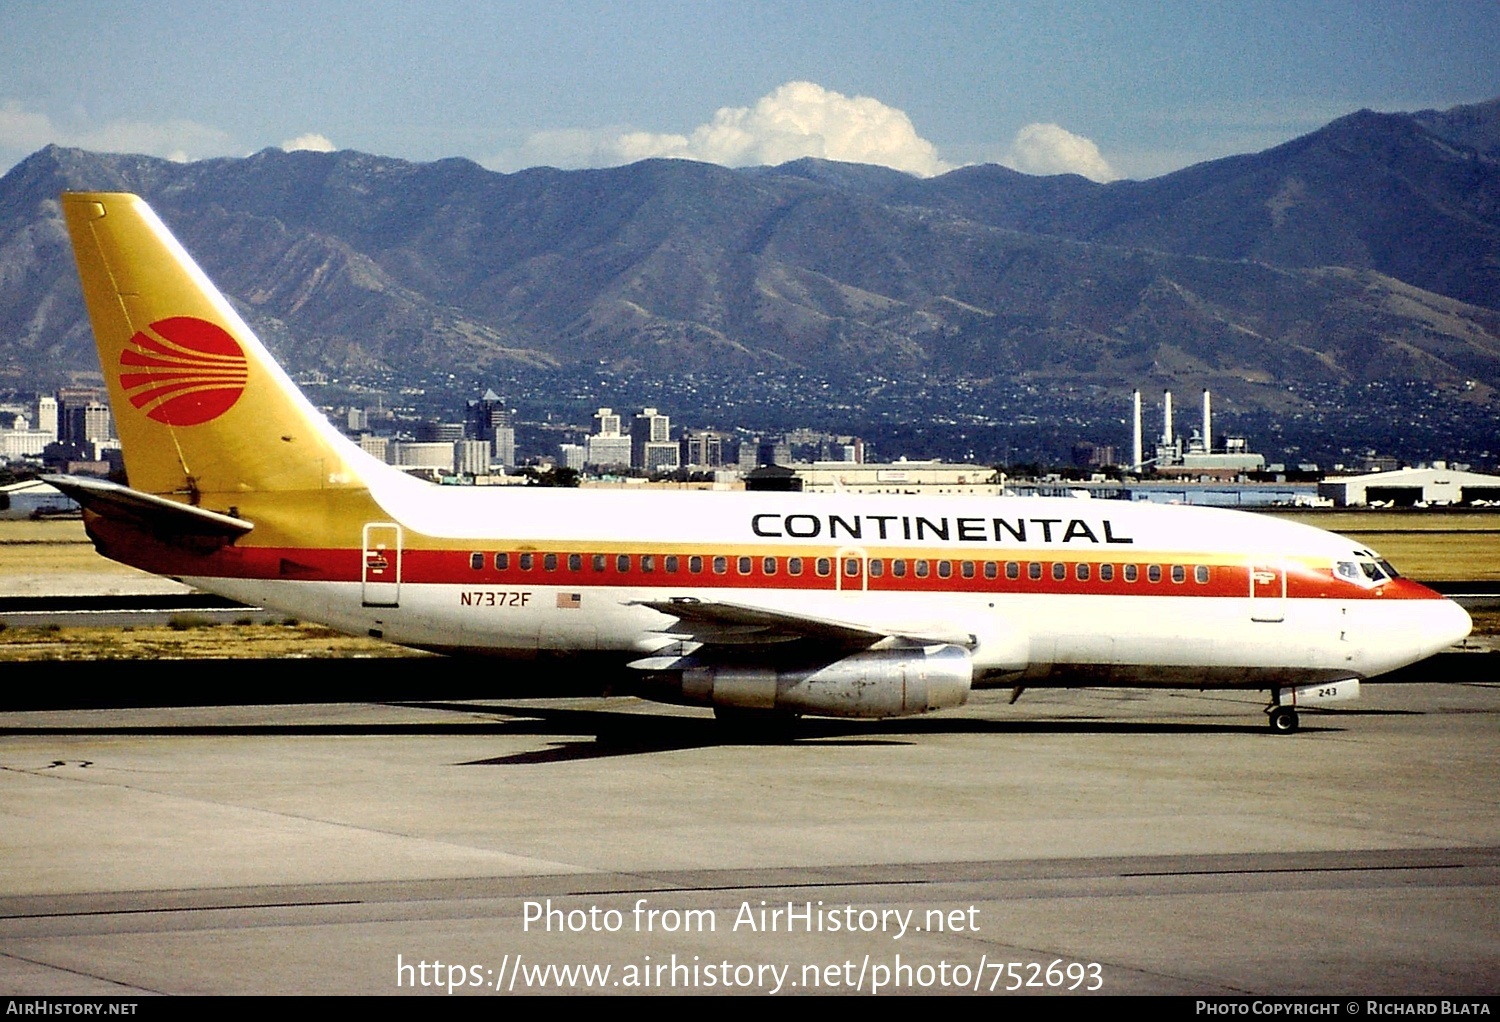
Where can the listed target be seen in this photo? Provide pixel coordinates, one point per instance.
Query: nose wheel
(1283, 719)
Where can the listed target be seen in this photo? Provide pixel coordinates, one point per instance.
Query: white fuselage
(1217, 598)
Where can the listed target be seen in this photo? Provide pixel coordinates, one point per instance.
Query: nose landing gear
(1283, 719)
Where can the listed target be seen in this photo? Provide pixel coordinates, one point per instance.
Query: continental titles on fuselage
(938, 528)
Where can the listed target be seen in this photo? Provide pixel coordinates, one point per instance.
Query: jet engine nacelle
(873, 683)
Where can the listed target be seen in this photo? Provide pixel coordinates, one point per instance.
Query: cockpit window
(1367, 569)
(1385, 566)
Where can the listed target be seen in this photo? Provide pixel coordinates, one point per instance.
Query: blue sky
(1107, 89)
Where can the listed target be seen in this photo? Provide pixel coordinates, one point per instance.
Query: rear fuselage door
(380, 565)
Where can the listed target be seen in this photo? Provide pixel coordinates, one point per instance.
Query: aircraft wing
(719, 623)
(154, 514)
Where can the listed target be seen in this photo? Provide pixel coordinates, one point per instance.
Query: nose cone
(1437, 620)
(1448, 625)
(1418, 623)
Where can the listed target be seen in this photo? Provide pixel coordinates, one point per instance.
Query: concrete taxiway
(1127, 841)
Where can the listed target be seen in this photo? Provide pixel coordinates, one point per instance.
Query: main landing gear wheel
(1283, 720)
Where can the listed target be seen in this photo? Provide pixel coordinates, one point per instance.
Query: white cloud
(175, 140)
(309, 142)
(796, 120)
(1051, 149)
(23, 131)
(568, 148)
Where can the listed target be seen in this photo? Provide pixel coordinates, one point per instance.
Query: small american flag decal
(569, 601)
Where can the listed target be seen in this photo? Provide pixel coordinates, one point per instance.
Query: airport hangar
(1411, 487)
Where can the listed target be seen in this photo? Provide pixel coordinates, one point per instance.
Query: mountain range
(1368, 250)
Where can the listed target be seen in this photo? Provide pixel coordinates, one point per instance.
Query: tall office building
(488, 418)
(609, 451)
(703, 448)
(472, 457)
(433, 432)
(486, 414)
(503, 446)
(649, 427)
(46, 415)
(606, 423)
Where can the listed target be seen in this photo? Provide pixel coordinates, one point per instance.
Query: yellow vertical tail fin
(200, 405)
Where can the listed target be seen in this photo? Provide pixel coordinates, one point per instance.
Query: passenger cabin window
(743, 565)
(669, 563)
(1081, 572)
(1179, 574)
(824, 567)
(476, 561)
(944, 569)
(794, 565)
(768, 565)
(1153, 573)
(575, 562)
(1059, 571)
(1200, 574)
(991, 569)
(1106, 573)
(1131, 572)
(622, 563)
(695, 564)
(966, 569)
(1012, 570)
(502, 562)
(898, 568)
(549, 562)
(851, 567)
(526, 562)
(877, 568)
(648, 562)
(1034, 570)
(599, 562)
(919, 568)
(721, 565)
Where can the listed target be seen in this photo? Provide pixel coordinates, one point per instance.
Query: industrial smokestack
(1208, 426)
(1135, 450)
(1166, 418)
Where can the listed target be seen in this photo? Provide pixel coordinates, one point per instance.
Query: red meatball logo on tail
(183, 371)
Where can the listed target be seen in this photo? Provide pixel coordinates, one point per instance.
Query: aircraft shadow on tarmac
(595, 733)
(487, 691)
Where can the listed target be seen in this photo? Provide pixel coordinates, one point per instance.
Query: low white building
(1409, 487)
(899, 477)
(434, 454)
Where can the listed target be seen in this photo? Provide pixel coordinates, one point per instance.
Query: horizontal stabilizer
(147, 511)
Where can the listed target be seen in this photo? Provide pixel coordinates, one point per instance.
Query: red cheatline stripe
(451, 567)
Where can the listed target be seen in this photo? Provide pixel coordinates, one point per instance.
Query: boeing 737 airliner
(829, 604)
